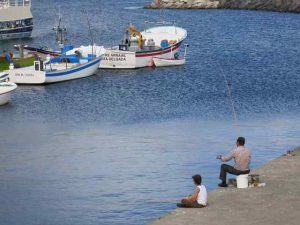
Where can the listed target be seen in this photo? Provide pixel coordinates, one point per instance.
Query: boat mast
(91, 33)
(61, 32)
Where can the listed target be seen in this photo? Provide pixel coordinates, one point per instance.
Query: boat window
(16, 24)
(17, 2)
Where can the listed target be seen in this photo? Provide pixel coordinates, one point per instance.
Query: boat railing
(13, 3)
(4, 4)
(161, 23)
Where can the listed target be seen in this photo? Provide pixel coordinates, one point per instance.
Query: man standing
(7, 57)
(242, 159)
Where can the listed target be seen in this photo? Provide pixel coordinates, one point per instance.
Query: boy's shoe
(224, 185)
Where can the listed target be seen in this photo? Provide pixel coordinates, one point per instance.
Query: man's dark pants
(230, 169)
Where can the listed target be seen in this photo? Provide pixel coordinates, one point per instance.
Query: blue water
(114, 148)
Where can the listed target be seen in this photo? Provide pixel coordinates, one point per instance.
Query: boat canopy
(165, 32)
(171, 34)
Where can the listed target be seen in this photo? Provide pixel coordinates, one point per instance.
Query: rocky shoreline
(272, 5)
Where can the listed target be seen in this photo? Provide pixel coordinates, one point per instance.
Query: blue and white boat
(15, 19)
(54, 70)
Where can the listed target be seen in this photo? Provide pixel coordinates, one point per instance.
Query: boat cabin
(15, 19)
(151, 39)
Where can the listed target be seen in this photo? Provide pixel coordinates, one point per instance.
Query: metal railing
(7, 3)
(19, 2)
(4, 4)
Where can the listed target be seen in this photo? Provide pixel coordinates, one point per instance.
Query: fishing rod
(229, 92)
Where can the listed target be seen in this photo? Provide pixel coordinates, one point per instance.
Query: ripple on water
(112, 148)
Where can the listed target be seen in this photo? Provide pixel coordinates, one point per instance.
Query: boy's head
(240, 141)
(197, 179)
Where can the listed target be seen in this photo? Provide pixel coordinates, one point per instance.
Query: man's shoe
(224, 185)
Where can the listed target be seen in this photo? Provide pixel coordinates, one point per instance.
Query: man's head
(197, 179)
(240, 141)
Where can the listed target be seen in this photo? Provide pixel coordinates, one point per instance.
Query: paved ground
(276, 204)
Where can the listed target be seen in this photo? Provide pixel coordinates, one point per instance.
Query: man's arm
(228, 158)
(194, 197)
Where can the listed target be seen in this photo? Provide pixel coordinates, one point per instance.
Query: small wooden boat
(24, 62)
(159, 62)
(17, 61)
(6, 88)
(40, 51)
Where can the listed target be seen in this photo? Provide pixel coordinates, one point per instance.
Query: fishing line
(164, 200)
(235, 117)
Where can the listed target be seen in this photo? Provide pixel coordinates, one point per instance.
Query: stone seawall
(274, 5)
(277, 203)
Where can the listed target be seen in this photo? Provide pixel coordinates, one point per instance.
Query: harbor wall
(275, 204)
(272, 5)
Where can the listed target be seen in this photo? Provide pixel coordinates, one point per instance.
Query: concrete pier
(277, 203)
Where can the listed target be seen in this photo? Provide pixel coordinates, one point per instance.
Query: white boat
(15, 19)
(160, 62)
(6, 88)
(52, 72)
(138, 48)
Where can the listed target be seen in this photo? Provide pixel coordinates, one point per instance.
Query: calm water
(110, 149)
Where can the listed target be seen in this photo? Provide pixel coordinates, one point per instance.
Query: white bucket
(242, 181)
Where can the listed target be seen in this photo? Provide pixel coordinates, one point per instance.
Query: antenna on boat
(60, 31)
(185, 49)
(91, 33)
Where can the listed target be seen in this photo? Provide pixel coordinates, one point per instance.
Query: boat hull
(41, 52)
(3, 76)
(85, 70)
(119, 59)
(5, 92)
(4, 98)
(30, 76)
(27, 75)
(160, 62)
(16, 34)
